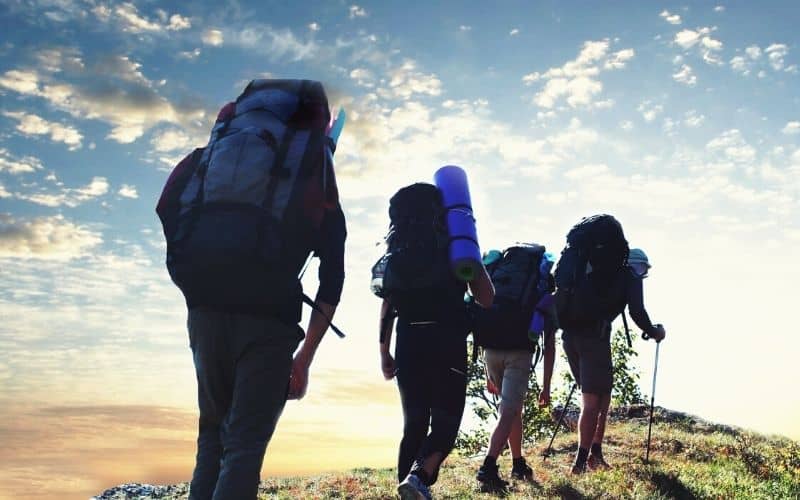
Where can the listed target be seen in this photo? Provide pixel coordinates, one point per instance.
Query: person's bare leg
(587, 425)
(515, 437)
(602, 415)
(502, 432)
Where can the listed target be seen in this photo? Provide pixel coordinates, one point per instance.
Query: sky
(682, 119)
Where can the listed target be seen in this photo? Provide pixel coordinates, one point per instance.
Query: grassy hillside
(689, 458)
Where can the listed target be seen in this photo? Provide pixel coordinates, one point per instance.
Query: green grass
(689, 459)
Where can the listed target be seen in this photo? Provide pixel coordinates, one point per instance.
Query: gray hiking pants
(243, 365)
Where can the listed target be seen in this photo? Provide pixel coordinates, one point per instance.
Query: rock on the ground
(137, 491)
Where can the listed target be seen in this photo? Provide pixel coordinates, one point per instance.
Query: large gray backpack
(242, 214)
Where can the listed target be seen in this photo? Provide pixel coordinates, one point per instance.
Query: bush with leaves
(537, 422)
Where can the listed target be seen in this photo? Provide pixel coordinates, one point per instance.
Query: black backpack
(518, 286)
(596, 253)
(416, 247)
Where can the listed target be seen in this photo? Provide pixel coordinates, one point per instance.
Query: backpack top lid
(419, 200)
(300, 104)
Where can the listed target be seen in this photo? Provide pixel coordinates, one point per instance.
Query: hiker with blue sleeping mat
(420, 289)
(596, 278)
(242, 217)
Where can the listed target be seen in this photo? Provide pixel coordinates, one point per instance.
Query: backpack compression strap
(315, 307)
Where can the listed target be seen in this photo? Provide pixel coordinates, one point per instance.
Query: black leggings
(432, 363)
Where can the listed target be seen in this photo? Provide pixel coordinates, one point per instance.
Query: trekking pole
(560, 419)
(652, 399)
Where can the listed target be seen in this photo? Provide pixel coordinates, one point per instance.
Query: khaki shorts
(509, 371)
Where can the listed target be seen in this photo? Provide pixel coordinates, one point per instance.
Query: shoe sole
(408, 492)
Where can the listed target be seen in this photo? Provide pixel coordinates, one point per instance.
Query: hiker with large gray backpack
(508, 334)
(595, 281)
(242, 217)
(419, 289)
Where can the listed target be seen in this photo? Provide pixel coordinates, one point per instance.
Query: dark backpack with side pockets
(518, 287)
(596, 253)
(241, 215)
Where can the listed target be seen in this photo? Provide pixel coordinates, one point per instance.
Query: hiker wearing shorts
(507, 375)
(430, 357)
(588, 351)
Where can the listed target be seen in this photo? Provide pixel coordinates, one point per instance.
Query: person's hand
(388, 366)
(491, 388)
(544, 398)
(658, 333)
(298, 382)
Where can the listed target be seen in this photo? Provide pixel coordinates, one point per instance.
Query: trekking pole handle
(645, 336)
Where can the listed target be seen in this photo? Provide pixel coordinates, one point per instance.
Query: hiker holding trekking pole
(597, 277)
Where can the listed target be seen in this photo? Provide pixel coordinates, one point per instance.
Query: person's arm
(638, 313)
(482, 288)
(386, 327)
(549, 363)
(331, 280)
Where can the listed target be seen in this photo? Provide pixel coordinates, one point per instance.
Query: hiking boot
(521, 471)
(490, 479)
(597, 462)
(578, 468)
(412, 488)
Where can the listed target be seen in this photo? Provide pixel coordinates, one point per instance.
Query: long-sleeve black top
(330, 250)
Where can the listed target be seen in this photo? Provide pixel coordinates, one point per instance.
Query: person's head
(638, 262)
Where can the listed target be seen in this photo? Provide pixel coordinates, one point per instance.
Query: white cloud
(363, 77)
(740, 65)
(128, 191)
(514, 32)
(214, 37)
(190, 55)
(29, 124)
(626, 125)
(131, 21)
(14, 165)
(719, 8)
(115, 91)
(23, 82)
(670, 18)
(687, 38)
(171, 140)
(45, 238)
(271, 42)
(753, 51)
(693, 119)
(791, 128)
(69, 197)
(776, 53)
(356, 11)
(406, 81)
(4, 192)
(733, 146)
(685, 76)
(464, 27)
(619, 59)
(314, 26)
(178, 23)
(576, 80)
(586, 171)
(649, 110)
